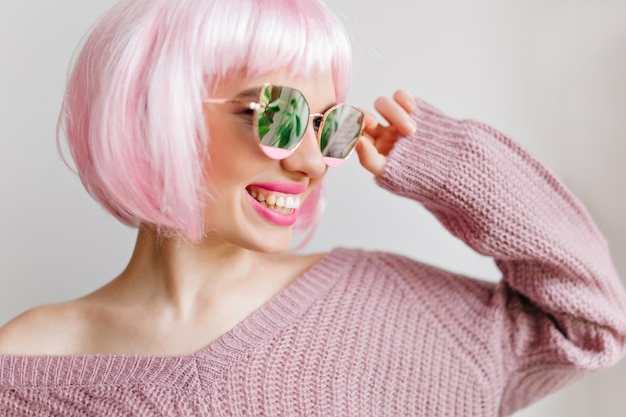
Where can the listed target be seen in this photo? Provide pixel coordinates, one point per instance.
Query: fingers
(397, 111)
(378, 140)
(369, 157)
(372, 127)
(406, 100)
(371, 121)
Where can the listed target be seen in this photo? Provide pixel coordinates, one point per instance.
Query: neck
(182, 295)
(183, 274)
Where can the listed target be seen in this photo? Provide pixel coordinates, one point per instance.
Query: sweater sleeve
(560, 308)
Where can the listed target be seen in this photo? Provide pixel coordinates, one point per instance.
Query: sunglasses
(281, 116)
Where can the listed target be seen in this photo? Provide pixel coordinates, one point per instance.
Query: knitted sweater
(376, 334)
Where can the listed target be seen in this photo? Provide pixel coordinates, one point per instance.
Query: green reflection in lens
(282, 121)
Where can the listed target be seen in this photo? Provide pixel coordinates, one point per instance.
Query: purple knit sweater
(376, 334)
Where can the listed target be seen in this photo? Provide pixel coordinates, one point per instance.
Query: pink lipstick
(277, 202)
(283, 187)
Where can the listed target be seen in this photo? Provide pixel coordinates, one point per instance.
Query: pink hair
(132, 113)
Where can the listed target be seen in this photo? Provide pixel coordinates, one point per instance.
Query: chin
(272, 241)
(273, 246)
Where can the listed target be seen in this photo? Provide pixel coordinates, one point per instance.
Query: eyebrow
(251, 94)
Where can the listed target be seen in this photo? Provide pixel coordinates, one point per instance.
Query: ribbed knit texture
(376, 334)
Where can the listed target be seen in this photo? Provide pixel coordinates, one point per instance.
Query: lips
(278, 203)
(292, 188)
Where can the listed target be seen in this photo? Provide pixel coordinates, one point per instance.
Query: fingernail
(410, 126)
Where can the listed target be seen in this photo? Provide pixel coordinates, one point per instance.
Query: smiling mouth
(278, 202)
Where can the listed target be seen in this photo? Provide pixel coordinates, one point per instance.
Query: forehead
(318, 89)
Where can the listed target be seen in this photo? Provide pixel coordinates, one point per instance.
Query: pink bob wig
(133, 116)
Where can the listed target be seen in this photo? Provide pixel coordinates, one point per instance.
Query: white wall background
(549, 73)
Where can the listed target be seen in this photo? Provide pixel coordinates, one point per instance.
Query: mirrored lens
(340, 131)
(281, 119)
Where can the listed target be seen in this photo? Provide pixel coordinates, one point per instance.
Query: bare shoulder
(45, 330)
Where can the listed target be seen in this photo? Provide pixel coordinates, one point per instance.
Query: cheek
(234, 161)
(232, 134)
(228, 150)
(314, 191)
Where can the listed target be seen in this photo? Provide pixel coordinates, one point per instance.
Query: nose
(307, 158)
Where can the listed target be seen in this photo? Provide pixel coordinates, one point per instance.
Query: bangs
(256, 37)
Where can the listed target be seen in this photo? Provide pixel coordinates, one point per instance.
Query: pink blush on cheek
(271, 216)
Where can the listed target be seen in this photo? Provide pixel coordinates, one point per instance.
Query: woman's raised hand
(378, 140)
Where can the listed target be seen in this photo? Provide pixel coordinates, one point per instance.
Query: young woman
(209, 126)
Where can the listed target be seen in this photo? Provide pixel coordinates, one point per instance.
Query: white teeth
(281, 203)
